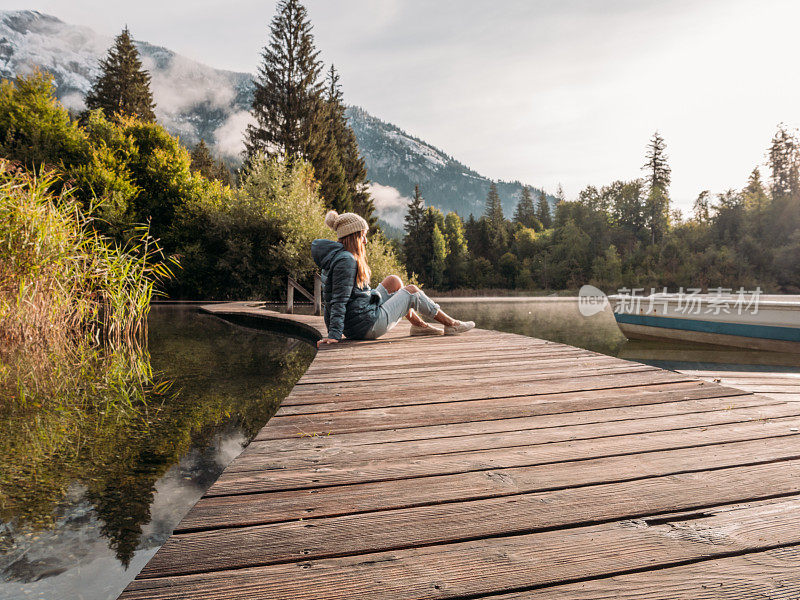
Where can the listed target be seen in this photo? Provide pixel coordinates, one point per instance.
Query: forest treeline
(623, 234)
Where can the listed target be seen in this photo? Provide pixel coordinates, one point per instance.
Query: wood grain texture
(458, 521)
(495, 465)
(255, 508)
(246, 475)
(498, 564)
(767, 575)
(374, 447)
(581, 404)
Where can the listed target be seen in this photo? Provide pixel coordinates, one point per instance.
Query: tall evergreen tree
(702, 208)
(658, 176)
(438, 257)
(288, 90)
(494, 208)
(755, 196)
(347, 154)
(123, 86)
(657, 171)
(413, 244)
(784, 163)
(202, 161)
(543, 211)
(525, 213)
(457, 251)
(560, 197)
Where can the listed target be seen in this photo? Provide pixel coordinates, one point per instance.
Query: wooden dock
(781, 386)
(493, 465)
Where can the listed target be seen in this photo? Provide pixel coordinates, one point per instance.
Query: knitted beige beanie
(345, 224)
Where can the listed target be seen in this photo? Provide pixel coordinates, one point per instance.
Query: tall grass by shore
(59, 279)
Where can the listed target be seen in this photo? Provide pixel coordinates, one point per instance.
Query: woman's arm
(344, 278)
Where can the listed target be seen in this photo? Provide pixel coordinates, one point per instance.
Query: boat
(742, 319)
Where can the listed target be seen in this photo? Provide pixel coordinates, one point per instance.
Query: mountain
(399, 160)
(195, 101)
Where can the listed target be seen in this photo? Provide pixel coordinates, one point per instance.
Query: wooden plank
(768, 574)
(334, 453)
(376, 364)
(329, 361)
(454, 366)
(525, 372)
(258, 508)
(434, 393)
(744, 374)
(707, 410)
(247, 475)
(447, 523)
(521, 374)
(387, 418)
(498, 564)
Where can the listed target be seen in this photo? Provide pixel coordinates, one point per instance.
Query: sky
(547, 92)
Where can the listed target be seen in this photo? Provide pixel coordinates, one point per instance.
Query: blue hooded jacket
(349, 310)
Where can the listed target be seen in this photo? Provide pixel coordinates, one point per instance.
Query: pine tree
(560, 197)
(658, 176)
(438, 257)
(457, 251)
(494, 208)
(658, 172)
(413, 244)
(784, 163)
(755, 196)
(202, 161)
(222, 173)
(123, 86)
(287, 94)
(525, 213)
(543, 211)
(347, 153)
(702, 208)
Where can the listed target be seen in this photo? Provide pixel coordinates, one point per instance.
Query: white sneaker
(459, 327)
(427, 330)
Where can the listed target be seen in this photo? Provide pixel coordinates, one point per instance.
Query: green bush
(383, 260)
(243, 244)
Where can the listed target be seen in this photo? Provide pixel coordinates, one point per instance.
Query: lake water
(82, 523)
(558, 320)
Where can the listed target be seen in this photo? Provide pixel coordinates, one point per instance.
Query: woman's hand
(326, 341)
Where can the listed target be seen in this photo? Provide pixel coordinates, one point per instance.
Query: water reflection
(558, 319)
(93, 481)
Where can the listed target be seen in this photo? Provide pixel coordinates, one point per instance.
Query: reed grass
(60, 280)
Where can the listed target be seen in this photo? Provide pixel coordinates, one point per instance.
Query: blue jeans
(394, 307)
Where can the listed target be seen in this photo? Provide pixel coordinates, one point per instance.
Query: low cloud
(390, 205)
(229, 137)
(185, 83)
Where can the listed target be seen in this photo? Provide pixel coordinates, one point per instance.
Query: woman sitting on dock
(355, 310)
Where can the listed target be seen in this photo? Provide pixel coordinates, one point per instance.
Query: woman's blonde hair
(354, 244)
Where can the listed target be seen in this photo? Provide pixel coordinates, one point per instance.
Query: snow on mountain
(193, 100)
(400, 161)
(196, 101)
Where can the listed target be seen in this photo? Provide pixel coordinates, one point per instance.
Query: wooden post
(317, 294)
(290, 298)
